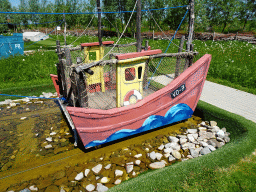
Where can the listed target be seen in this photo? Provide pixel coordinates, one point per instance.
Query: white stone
(166, 155)
(117, 182)
(202, 129)
(192, 131)
(129, 168)
(173, 139)
(49, 139)
(138, 156)
(134, 174)
(33, 188)
(137, 162)
(194, 153)
(104, 180)
(152, 155)
(157, 165)
(90, 187)
(213, 123)
(53, 133)
(183, 140)
(86, 172)
(168, 145)
(101, 187)
(190, 156)
(161, 147)
(175, 146)
(97, 168)
(176, 154)
(168, 150)
(164, 162)
(221, 134)
(159, 156)
(118, 173)
(191, 138)
(97, 178)
(108, 166)
(188, 146)
(147, 149)
(204, 144)
(48, 146)
(171, 158)
(79, 176)
(36, 134)
(211, 148)
(23, 118)
(12, 104)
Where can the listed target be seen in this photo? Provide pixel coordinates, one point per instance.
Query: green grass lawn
(230, 168)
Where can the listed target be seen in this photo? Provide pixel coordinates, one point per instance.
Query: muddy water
(36, 142)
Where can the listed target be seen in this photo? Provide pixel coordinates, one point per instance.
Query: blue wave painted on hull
(177, 113)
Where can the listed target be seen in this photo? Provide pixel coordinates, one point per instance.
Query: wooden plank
(97, 43)
(138, 54)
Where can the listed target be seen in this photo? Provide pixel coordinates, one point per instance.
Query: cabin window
(92, 55)
(129, 74)
(139, 72)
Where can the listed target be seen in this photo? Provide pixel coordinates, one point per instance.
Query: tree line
(211, 15)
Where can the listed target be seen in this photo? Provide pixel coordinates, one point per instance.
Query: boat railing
(77, 77)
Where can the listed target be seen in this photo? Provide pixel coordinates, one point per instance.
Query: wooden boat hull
(96, 127)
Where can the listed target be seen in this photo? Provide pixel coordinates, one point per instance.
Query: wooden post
(61, 72)
(177, 69)
(138, 26)
(99, 22)
(146, 45)
(65, 28)
(213, 36)
(153, 35)
(190, 32)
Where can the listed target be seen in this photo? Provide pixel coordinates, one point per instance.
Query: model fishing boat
(130, 93)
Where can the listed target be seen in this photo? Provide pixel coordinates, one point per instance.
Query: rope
(122, 32)
(42, 13)
(45, 35)
(168, 46)
(83, 31)
(161, 28)
(31, 23)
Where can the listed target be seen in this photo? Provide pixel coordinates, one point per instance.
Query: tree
(5, 6)
(247, 12)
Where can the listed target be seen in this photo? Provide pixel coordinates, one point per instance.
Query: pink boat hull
(98, 125)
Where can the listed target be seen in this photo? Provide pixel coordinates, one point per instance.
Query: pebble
(157, 165)
(49, 139)
(192, 131)
(117, 182)
(171, 158)
(205, 151)
(105, 180)
(161, 147)
(137, 162)
(23, 118)
(48, 146)
(101, 188)
(221, 134)
(129, 167)
(108, 166)
(194, 153)
(97, 168)
(138, 156)
(79, 176)
(176, 154)
(118, 173)
(173, 139)
(33, 188)
(152, 155)
(90, 187)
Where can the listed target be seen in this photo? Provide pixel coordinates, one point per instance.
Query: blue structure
(11, 45)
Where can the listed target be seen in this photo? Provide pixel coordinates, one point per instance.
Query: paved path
(229, 99)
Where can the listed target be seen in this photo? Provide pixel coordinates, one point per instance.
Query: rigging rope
(122, 32)
(42, 13)
(168, 47)
(83, 31)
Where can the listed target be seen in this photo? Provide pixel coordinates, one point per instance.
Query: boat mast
(138, 26)
(191, 25)
(99, 22)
